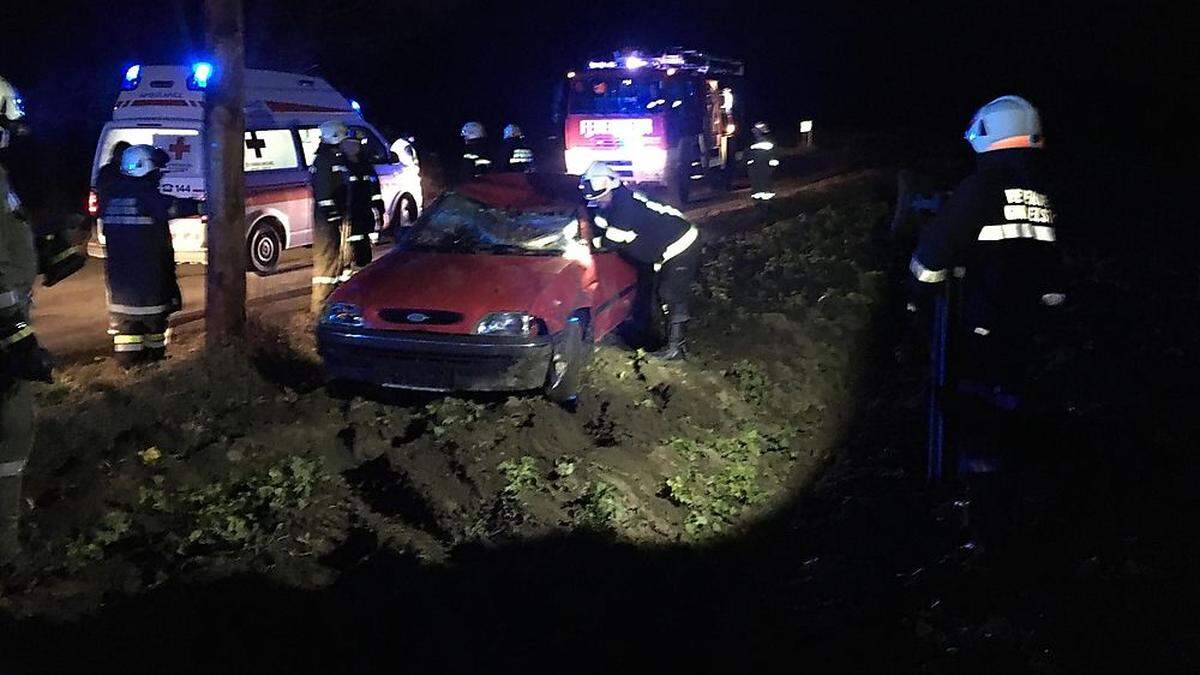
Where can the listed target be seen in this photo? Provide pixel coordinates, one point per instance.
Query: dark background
(1110, 77)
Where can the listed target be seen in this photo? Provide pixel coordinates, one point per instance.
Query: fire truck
(661, 120)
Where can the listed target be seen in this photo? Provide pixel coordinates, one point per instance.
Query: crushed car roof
(522, 191)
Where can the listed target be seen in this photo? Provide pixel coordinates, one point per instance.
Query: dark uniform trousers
(18, 271)
(760, 165)
(365, 206)
(330, 224)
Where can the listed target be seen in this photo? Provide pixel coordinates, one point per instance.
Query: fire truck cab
(163, 106)
(665, 120)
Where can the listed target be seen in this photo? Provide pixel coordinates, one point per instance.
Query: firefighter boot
(676, 342)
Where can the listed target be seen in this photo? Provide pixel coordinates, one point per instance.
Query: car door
(614, 285)
(277, 183)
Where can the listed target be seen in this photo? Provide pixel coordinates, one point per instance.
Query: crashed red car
(498, 286)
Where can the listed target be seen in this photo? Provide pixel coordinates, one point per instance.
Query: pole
(225, 128)
(936, 441)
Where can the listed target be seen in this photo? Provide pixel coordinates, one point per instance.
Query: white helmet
(599, 180)
(11, 109)
(473, 131)
(334, 132)
(513, 131)
(11, 112)
(138, 161)
(1008, 118)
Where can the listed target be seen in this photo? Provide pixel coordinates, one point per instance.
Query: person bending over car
(652, 235)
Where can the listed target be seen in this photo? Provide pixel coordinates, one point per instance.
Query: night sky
(1108, 75)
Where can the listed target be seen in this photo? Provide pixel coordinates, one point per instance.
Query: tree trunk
(225, 128)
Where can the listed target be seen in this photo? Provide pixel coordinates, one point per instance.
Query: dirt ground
(759, 507)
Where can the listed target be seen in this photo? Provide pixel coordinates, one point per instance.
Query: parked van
(163, 106)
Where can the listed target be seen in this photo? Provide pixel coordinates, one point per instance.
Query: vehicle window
(310, 140)
(181, 145)
(457, 223)
(270, 149)
(614, 94)
(375, 150)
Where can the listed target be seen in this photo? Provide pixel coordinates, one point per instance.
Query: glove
(26, 360)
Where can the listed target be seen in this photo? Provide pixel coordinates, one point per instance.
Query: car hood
(468, 284)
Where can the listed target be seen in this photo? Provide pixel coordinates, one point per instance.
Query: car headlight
(343, 314)
(509, 323)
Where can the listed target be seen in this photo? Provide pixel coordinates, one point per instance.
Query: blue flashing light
(133, 75)
(201, 72)
(355, 106)
(634, 62)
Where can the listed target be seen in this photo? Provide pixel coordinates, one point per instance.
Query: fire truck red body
(665, 120)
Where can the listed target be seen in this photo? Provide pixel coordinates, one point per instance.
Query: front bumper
(434, 361)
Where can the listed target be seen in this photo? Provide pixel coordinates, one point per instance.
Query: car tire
(263, 248)
(571, 352)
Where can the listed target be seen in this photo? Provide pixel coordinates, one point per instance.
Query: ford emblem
(417, 317)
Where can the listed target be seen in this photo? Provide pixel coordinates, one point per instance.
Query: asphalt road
(71, 318)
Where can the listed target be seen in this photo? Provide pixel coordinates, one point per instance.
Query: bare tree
(225, 128)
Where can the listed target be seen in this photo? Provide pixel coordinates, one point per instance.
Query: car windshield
(459, 224)
(614, 95)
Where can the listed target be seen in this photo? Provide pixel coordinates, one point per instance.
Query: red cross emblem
(179, 148)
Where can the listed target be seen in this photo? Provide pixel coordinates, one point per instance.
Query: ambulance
(658, 120)
(163, 106)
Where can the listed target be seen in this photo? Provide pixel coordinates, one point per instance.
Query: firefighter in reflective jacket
(760, 164)
(653, 235)
(517, 154)
(22, 360)
(476, 156)
(364, 204)
(329, 183)
(996, 238)
(140, 259)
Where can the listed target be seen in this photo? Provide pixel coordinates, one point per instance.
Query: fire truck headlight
(650, 160)
(578, 160)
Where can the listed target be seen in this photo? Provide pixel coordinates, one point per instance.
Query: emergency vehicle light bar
(675, 59)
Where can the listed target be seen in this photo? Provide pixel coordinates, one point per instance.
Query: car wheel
(571, 353)
(263, 247)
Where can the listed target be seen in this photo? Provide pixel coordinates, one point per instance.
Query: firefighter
(655, 236)
(329, 172)
(761, 163)
(476, 156)
(364, 203)
(517, 155)
(995, 240)
(140, 261)
(22, 360)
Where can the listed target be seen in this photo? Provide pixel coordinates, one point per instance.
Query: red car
(498, 286)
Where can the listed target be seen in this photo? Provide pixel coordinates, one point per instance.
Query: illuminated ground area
(756, 508)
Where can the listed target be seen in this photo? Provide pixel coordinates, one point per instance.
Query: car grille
(419, 317)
